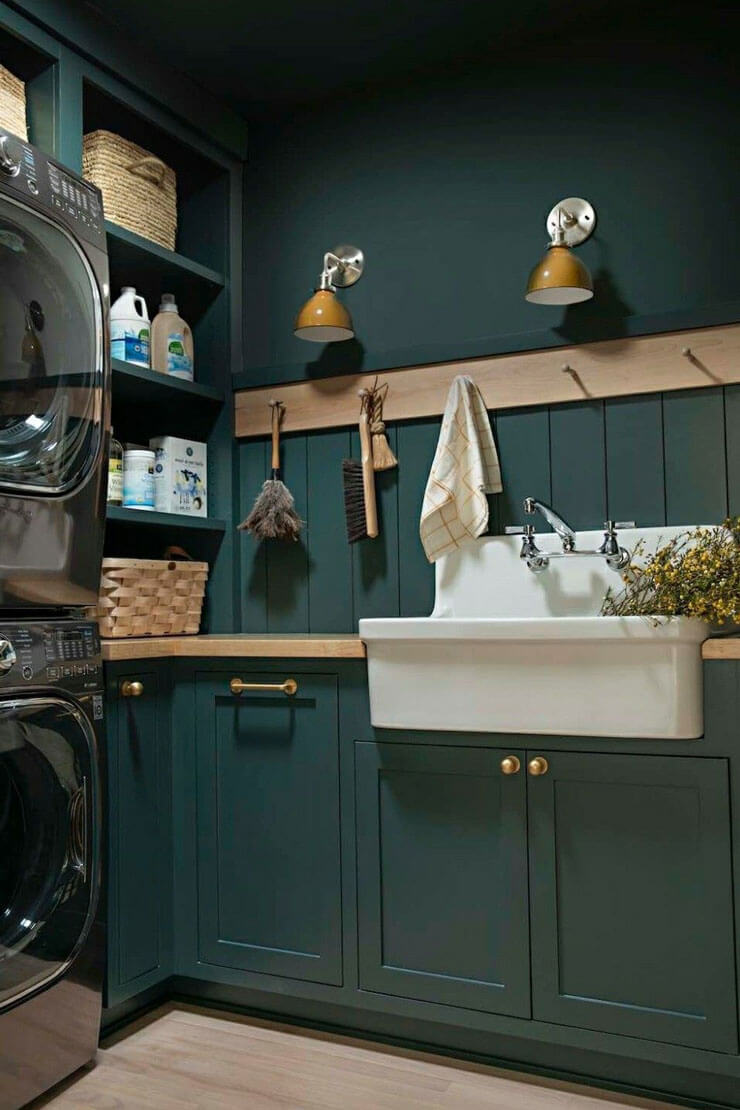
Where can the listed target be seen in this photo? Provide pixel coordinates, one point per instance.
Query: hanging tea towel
(465, 469)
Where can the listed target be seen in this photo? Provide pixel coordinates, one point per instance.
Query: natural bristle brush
(273, 515)
(360, 506)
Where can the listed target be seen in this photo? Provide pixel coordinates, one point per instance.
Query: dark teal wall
(445, 185)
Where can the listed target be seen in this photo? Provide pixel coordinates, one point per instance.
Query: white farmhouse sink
(507, 650)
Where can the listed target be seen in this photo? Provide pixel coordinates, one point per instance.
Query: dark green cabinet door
(442, 884)
(139, 835)
(631, 896)
(268, 827)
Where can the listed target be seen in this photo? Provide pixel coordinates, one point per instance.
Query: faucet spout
(563, 529)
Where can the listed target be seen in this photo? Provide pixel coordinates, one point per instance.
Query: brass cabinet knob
(511, 765)
(132, 689)
(538, 765)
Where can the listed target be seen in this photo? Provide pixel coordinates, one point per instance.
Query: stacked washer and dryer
(54, 428)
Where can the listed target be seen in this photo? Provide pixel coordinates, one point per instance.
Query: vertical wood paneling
(635, 478)
(375, 562)
(329, 555)
(695, 457)
(523, 439)
(578, 463)
(416, 447)
(252, 555)
(287, 562)
(732, 425)
(644, 458)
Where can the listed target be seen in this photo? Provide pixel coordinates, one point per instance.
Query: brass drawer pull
(132, 689)
(289, 687)
(510, 765)
(538, 766)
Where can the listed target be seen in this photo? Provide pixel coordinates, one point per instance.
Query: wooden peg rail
(614, 368)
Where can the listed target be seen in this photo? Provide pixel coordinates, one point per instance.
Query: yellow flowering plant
(697, 574)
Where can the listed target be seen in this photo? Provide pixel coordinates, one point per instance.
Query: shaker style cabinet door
(269, 884)
(631, 894)
(442, 884)
(139, 833)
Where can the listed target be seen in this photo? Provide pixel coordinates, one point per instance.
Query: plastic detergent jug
(172, 341)
(129, 328)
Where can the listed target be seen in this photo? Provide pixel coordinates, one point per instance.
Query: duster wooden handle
(277, 411)
(368, 477)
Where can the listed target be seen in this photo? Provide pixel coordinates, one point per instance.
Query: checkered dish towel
(464, 470)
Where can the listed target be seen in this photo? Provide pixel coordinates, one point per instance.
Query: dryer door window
(49, 841)
(51, 356)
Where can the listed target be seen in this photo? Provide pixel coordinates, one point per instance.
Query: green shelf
(127, 242)
(142, 385)
(164, 520)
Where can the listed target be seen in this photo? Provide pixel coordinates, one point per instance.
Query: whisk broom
(273, 515)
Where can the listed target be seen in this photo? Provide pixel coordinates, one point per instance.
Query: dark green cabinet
(139, 868)
(617, 866)
(631, 887)
(269, 886)
(442, 882)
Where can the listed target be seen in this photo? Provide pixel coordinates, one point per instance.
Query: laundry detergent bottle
(172, 341)
(129, 328)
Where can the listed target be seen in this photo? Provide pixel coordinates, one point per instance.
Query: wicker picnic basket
(150, 597)
(139, 190)
(13, 104)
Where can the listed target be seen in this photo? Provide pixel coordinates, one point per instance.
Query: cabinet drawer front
(268, 826)
(442, 885)
(631, 893)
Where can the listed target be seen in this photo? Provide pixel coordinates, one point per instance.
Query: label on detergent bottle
(129, 345)
(179, 362)
(115, 481)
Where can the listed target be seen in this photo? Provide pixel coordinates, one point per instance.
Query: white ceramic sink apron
(509, 651)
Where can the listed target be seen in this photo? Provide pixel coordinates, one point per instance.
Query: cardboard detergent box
(180, 476)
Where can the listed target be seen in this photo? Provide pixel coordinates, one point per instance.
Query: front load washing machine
(52, 948)
(54, 381)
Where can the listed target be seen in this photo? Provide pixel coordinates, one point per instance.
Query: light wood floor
(184, 1058)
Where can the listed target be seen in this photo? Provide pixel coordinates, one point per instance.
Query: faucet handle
(610, 527)
(528, 529)
(529, 505)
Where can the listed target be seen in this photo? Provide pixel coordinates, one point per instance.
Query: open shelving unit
(147, 519)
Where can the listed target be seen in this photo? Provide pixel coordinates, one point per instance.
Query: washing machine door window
(51, 356)
(48, 841)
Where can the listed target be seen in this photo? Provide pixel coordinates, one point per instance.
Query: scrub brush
(273, 515)
(360, 507)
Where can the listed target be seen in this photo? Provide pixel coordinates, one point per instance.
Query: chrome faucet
(617, 558)
(566, 533)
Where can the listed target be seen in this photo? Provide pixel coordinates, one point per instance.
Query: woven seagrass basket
(150, 597)
(13, 104)
(139, 190)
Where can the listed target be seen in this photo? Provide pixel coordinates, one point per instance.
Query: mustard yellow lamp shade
(323, 319)
(559, 278)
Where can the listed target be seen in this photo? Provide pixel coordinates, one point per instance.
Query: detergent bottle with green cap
(172, 341)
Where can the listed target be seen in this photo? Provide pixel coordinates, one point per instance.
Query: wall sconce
(324, 319)
(560, 277)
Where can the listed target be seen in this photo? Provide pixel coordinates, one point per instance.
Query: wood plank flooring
(183, 1058)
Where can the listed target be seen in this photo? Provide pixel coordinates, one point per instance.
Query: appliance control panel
(29, 174)
(63, 653)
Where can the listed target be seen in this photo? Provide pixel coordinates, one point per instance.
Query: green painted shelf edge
(160, 254)
(164, 520)
(144, 383)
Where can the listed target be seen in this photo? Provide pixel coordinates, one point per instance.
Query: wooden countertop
(234, 646)
(721, 647)
(298, 646)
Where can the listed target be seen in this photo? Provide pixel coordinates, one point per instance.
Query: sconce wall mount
(560, 278)
(324, 319)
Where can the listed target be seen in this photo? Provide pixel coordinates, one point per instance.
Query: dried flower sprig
(696, 574)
